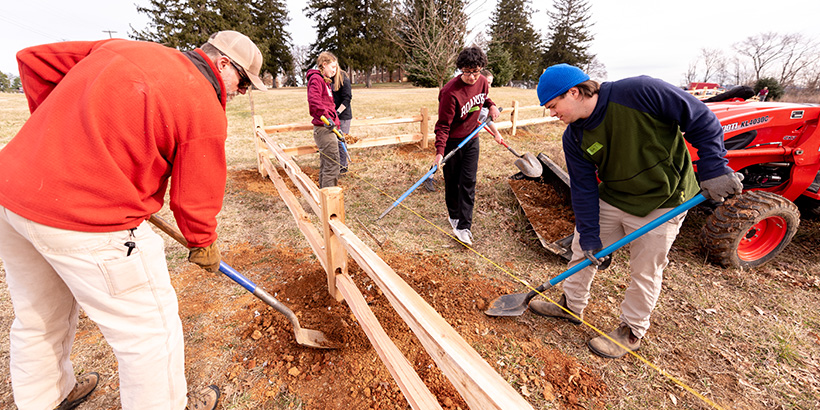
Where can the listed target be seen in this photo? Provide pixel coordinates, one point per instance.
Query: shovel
(304, 337)
(339, 136)
(527, 163)
(516, 304)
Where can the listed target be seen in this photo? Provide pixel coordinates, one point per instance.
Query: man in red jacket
(111, 122)
(459, 107)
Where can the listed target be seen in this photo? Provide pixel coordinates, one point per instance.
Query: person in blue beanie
(628, 162)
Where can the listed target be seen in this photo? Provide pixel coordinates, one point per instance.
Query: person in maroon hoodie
(459, 104)
(320, 102)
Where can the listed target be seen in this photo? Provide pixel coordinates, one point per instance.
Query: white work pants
(51, 273)
(647, 259)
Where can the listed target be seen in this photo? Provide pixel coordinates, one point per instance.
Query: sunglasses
(244, 80)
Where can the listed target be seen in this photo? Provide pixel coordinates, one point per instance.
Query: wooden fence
(424, 119)
(474, 379)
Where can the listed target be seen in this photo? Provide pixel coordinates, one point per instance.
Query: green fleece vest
(645, 166)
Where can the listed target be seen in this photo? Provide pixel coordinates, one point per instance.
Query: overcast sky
(632, 37)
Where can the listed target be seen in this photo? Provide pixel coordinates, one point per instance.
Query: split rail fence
(475, 380)
(424, 119)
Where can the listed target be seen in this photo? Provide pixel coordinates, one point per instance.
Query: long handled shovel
(435, 167)
(516, 304)
(527, 163)
(304, 337)
(339, 136)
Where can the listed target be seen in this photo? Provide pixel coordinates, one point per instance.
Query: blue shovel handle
(434, 168)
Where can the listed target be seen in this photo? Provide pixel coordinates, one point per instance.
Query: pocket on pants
(125, 274)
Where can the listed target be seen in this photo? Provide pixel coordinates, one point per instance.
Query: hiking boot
(204, 399)
(464, 235)
(606, 348)
(547, 308)
(85, 385)
(453, 222)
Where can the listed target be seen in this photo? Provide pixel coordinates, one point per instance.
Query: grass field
(743, 339)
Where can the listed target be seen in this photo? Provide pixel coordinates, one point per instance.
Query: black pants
(459, 181)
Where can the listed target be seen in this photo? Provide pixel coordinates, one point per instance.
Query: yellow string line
(525, 283)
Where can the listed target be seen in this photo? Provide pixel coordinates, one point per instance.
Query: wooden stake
(514, 116)
(424, 127)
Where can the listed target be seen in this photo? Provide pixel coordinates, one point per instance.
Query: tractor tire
(750, 229)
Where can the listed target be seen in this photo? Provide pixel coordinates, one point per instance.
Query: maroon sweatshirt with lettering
(459, 104)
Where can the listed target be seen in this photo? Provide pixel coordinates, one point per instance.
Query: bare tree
(691, 73)
(799, 53)
(301, 63)
(713, 63)
(763, 49)
(431, 33)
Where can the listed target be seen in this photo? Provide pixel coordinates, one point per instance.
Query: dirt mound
(268, 365)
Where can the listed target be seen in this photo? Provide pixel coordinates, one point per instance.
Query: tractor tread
(729, 223)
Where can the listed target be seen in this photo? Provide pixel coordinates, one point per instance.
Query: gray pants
(328, 156)
(344, 127)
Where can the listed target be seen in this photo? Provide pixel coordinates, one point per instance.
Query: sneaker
(205, 399)
(85, 385)
(453, 222)
(547, 308)
(604, 347)
(430, 184)
(464, 235)
(343, 170)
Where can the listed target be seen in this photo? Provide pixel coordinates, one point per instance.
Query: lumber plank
(295, 126)
(314, 238)
(476, 381)
(305, 185)
(415, 391)
(365, 143)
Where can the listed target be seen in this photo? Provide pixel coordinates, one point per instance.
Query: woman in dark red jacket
(320, 102)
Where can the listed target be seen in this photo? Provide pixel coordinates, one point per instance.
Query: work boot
(464, 235)
(605, 348)
(204, 399)
(85, 385)
(453, 222)
(547, 308)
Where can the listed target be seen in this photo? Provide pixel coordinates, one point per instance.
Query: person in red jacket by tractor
(111, 123)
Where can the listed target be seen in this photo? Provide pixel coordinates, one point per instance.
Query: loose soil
(549, 216)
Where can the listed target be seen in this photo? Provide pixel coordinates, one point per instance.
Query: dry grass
(744, 339)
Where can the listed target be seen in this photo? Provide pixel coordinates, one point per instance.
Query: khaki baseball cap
(239, 48)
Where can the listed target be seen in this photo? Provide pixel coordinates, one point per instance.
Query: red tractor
(776, 146)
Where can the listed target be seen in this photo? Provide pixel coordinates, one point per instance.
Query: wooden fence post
(425, 118)
(514, 116)
(260, 145)
(333, 207)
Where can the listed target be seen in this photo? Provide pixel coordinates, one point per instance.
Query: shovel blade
(509, 305)
(529, 165)
(312, 338)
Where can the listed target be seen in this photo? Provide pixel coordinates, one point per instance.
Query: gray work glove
(718, 188)
(600, 263)
(482, 115)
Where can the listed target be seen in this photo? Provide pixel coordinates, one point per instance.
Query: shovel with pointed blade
(304, 337)
(516, 304)
(527, 163)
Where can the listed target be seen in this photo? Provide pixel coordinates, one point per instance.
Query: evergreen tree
(186, 24)
(500, 64)
(355, 31)
(569, 39)
(511, 29)
(775, 89)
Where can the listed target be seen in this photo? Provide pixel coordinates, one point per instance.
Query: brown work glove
(208, 257)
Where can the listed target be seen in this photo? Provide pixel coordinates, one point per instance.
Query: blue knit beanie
(557, 79)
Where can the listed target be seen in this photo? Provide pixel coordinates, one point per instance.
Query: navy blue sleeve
(584, 191)
(700, 126)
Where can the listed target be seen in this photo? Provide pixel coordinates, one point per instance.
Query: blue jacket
(634, 143)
